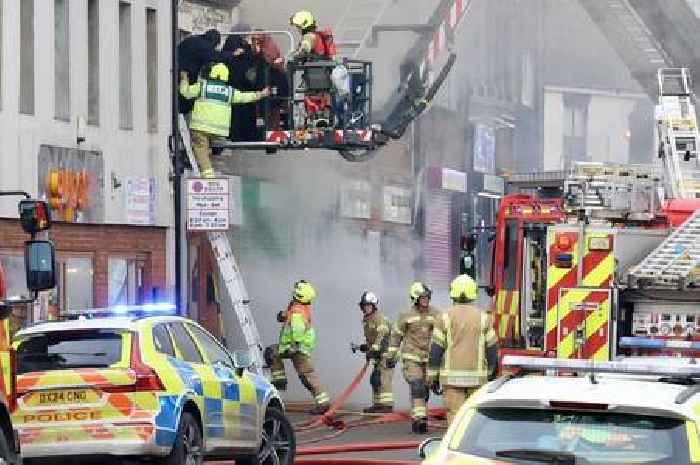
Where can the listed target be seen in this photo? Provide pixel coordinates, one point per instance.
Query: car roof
(117, 322)
(622, 393)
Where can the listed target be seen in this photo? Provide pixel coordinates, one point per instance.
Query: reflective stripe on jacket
(297, 334)
(411, 334)
(212, 109)
(377, 329)
(464, 332)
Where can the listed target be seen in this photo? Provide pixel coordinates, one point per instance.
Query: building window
(93, 47)
(62, 60)
(126, 116)
(397, 205)
(1, 50)
(527, 91)
(126, 283)
(152, 68)
(355, 200)
(76, 283)
(575, 128)
(26, 57)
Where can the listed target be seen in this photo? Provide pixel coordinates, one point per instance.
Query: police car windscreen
(61, 350)
(558, 436)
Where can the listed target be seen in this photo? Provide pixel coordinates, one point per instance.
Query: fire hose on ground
(340, 426)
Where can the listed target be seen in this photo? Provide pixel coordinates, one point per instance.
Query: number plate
(63, 397)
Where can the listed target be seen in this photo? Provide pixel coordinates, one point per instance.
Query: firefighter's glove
(391, 363)
(372, 355)
(269, 356)
(282, 317)
(363, 348)
(436, 388)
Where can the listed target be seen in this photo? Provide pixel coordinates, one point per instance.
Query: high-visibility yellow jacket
(411, 334)
(463, 347)
(212, 109)
(297, 334)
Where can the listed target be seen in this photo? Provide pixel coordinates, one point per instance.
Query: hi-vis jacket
(463, 347)
(212, 109)
(297, 334)
(377, 330)
(412, 333)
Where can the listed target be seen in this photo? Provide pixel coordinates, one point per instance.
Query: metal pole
(178, 166)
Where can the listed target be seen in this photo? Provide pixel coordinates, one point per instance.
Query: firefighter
(296, 342)
(410, 338)
(377, 329)
(211, 116)
(314, 44)
(463, 350)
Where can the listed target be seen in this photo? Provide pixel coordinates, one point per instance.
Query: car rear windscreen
(61, 350)
(584, 437)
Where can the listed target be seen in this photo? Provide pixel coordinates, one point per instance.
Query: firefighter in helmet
(377, 329)
(410, 339)
(314, 44)
(211, 116)
(296, 342)
(463, 350)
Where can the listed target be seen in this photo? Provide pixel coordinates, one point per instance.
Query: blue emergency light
(649, 343)
(129, 311)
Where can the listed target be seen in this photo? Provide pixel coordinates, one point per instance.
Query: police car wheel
(187, 449)
(7, 456)
(278, 446)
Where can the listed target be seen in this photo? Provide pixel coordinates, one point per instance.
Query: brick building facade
(99, 265)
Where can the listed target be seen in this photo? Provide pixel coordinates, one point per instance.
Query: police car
(633, 411)
(143, 385)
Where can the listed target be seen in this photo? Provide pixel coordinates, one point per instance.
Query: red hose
(328, 418)
(333, 461)
(358, 447)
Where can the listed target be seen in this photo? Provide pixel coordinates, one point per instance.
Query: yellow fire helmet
(219, 72)
(419, 289)
(463, 287)
(304, 292)
(302, 19)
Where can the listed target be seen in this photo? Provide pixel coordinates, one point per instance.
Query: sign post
(208, 204)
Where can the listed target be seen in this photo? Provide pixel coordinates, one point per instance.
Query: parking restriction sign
(207, 204)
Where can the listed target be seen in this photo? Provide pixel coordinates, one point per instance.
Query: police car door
(238, 397)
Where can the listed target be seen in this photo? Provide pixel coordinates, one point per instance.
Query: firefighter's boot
(419, 426)
(319, 409)
(379, 409)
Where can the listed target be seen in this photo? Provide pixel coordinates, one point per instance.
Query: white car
(628, 412)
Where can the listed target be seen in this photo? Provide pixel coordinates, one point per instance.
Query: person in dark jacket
(193, 53)
(245, 77)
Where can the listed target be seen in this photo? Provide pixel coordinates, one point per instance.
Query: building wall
(135, 152)
(97, 244)
(607, 123)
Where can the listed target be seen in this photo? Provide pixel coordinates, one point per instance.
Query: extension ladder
(675, 263)
(228, 267)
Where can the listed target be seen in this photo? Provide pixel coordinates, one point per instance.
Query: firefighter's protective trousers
(297, 341)
(411, 337)
(377, 329)
(305, 370)
(211, 115)
(463, 352)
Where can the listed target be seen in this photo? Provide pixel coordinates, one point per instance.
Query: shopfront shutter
(437, 247)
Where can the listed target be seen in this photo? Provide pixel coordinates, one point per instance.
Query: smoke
(292, 229)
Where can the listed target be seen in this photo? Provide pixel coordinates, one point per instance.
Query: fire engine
(40, 265)
(610, 266)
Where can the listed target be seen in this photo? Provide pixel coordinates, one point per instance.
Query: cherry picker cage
(324, 104)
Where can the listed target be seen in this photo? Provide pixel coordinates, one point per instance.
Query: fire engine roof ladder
(675, 263)
(228, 267)
(678, 133)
